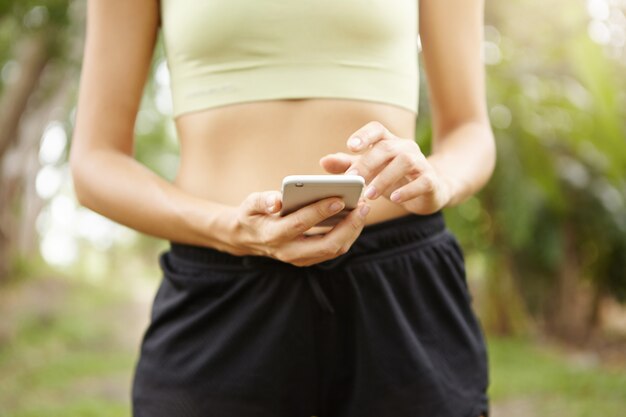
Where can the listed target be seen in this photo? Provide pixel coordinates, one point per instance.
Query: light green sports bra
(221, 52)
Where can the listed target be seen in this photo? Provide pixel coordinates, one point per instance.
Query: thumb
(337, 163)
(265, 202)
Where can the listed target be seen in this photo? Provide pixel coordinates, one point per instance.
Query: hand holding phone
(257, 229)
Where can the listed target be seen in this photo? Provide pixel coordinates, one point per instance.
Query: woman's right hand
(260, 230)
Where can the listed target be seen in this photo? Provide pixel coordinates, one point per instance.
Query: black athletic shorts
(385, 330)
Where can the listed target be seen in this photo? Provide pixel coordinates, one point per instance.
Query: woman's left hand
(392, 167)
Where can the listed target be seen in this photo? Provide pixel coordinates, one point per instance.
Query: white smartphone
(302, 190)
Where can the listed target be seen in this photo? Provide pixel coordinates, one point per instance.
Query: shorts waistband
(388, 234)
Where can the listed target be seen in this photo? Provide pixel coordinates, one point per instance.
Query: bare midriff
(228, 152)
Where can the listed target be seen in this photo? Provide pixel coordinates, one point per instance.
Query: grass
(61, 355)
(551, 383)
(68, 349)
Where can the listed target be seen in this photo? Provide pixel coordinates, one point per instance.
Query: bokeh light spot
(53, 143)
(500, 116)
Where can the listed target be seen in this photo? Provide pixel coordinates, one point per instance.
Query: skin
(224, 195)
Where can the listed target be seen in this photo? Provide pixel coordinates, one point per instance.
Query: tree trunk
(571, 305)
(505, 310)
(33, 54)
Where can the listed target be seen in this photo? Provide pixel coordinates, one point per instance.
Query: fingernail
(364, 210)
(370, 192)
(352, 172)
(336, 206)
(354, 142)
(270, 201)
(395, 197)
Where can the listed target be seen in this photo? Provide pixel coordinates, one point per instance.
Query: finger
(404, 164)
(375, 159)
(318, 248)
(368, 135)
(351, 226)
(337, 163)
(424, 185)
(408, 163)
(301, 220)
(339, 240)
(263, 202)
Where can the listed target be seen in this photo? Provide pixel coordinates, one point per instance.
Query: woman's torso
(251, 82)
(231, 151)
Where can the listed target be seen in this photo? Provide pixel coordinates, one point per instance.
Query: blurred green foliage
(554, 212)
(27, 17)
(555, 209)
(562, 163)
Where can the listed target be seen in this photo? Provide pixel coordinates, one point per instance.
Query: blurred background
(545, 241)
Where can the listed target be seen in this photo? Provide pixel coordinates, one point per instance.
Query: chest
(295, 30)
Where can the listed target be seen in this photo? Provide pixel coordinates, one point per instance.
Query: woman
(254, 316)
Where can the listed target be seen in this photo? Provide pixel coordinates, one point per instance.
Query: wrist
(232, 232)
(210, 224)
(453, 189)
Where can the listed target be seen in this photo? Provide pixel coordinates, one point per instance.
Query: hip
(392, 317)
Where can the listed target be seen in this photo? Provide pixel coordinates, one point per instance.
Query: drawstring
(319, 293)
(320, 296)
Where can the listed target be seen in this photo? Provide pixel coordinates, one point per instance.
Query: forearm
(464, 158)
(118, 187)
